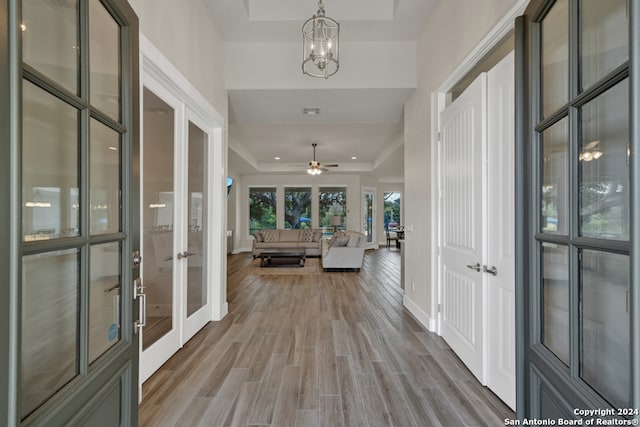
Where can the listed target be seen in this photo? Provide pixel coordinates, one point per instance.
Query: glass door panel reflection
(50, 156)
(555, 179)
(604, 165)
(555, 299)
(367, 215)
(604, 31)
(50, 325)
(605, 350)
(197, 202)
(104, 198)
(104, 298)
(55, 57)
(104, 37)
(158, 219)
(555, 58)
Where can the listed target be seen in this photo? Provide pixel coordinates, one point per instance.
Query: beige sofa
(308, 239)
(345, 250)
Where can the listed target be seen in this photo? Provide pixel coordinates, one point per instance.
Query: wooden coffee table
(290, 258)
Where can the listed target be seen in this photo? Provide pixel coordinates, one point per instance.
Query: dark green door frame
(634, 118)
(9, 207)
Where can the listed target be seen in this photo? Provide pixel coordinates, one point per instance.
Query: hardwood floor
(330, 349)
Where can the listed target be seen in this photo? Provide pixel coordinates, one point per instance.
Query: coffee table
(290, 257)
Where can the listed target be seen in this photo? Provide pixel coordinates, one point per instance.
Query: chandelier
(320, 37)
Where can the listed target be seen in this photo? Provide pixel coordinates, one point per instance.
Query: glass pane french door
(198, 199)
(158, 216)
(175, 226)
(578, 231)
(197, 228)
(368, 215)
(79, 351)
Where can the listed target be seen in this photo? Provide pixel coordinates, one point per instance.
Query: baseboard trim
(224, 310)
(240, 250)
(419, 314)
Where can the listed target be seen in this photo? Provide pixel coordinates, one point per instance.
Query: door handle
(138, 293)
(185, 254)
(475, 267)
(492, 270)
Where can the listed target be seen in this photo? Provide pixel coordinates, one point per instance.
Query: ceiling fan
(315, 168)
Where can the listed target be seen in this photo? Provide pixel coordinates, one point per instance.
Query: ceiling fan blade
(331, 166)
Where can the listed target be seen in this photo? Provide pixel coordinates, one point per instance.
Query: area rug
(311, 266)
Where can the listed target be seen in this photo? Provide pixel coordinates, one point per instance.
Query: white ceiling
(361, 112)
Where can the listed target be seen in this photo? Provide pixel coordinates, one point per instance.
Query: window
(333, 209)
(391, 210)
(297, 207)
(262, 208)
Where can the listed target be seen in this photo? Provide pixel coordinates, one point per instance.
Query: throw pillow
(307, 235)
(258, 236)
(269, 236)
(317, 235)
(341, 241)
(354, 240)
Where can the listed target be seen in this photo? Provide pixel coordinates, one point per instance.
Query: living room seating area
(307, 239)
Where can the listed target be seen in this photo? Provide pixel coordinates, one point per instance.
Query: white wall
(186, 35)
(246, 66)
(440, 50)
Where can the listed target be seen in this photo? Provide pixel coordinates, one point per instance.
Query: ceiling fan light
(597, 154)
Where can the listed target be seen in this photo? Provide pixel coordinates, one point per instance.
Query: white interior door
(196, 307)
(161, 131)
(463, 133)
(176, 218)
(501, 375)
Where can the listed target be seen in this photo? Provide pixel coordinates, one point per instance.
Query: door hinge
(439, 308)
(439, 137)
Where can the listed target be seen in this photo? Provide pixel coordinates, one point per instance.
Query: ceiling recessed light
(311, 111)
(354, 158)
(113, 148)
(277, 158)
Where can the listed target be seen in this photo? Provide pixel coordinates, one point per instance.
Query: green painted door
(577, 261)
(75, 309)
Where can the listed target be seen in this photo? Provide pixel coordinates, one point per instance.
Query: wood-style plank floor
(334, 349)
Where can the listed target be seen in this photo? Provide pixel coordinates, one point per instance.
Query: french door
(175, 225)
(369, 215)
(578, 110)
(78, 217)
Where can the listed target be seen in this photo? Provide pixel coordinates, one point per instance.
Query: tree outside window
(333, 203)
(262, 209)
(391, 210)
(297, 207)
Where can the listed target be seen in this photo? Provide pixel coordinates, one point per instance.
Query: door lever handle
(185, 254)
(475, 267)
(491, 270)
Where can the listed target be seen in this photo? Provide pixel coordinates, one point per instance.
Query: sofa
(308, 239)
(345, 250)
